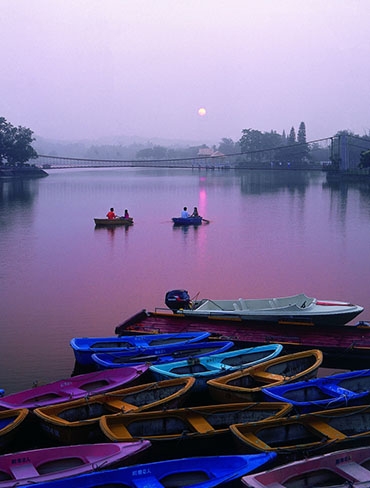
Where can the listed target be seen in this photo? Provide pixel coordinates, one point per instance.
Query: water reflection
(112, 233)
(342, 192)
(19, 191)
(258, 182)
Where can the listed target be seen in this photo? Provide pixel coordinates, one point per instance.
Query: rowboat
(345, 468)
(114, 222)
(307, 434)
(247, 384)
(184, 351)
(207, 367)
(299, 308)
(11, 422)
(190, 429)
(339, 390)
(84, 347)
(72, 388)
(54, 463)
(187, 220)
(77, 421)
(197, 472)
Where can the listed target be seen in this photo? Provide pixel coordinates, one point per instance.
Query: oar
(206, 221)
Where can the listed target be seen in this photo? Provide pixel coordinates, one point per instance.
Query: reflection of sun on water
(202, 202)
(202, 112)
(202, 208)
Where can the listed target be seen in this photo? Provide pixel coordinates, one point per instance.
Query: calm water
(271, 234)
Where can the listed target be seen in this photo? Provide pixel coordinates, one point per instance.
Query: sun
(202, 112)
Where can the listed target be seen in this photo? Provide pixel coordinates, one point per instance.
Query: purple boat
(72, 388)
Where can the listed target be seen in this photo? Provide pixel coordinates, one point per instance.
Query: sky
(90, 69)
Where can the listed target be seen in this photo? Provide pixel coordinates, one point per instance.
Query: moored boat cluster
(142, 409)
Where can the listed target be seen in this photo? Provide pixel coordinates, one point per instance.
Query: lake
(271, 233)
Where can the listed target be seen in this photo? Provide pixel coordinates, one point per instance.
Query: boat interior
(301, 301)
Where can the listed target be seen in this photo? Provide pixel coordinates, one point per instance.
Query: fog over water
(88, 69)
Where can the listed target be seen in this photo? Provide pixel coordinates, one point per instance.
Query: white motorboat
(297, 308)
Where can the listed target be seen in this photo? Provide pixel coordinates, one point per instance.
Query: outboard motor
(177, 299)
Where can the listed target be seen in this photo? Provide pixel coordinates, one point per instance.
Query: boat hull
(295, 308)
(339, 390)
(84, 347)
(199, 472)
(77, 421)
(207, 367)
(53, 463)
(11, 423)
(75, 387)
(308, 434)
(187, 221)
(189, 429)
(247, 384)
(114, 222)
(185, 351)
(337, 469)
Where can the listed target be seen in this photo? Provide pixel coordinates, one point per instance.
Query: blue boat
(184, 352)
(209, 367)
(339, 390)
(195, 472)
(187, 220)
(84, 347)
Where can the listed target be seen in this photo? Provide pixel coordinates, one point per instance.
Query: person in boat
(126, 215)
(111, 215)
(195, 213)
(185, 214)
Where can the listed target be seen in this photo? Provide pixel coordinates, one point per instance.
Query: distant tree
(252, 144)
(261, 147)
(15, 144)
(303, 150)
(301, 136)
(145, 153)
(155, 152)
(228, 146)
(291, 138)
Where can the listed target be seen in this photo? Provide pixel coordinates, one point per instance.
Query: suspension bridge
(344, 150)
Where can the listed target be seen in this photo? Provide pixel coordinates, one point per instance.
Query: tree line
(15, 144)
(254, 148)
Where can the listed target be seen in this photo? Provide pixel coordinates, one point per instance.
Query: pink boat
(72, 388)
(53, 463)
(349, 467)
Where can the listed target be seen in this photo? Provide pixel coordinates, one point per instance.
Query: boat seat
(242, 304)
(355, 470)
(266, 376)
(72, 392)
(199, 423)
(121, 406)
(146, 481)
(326, 429)
(25, 470)
(275, 485)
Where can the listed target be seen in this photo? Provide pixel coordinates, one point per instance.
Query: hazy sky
(77, 69)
